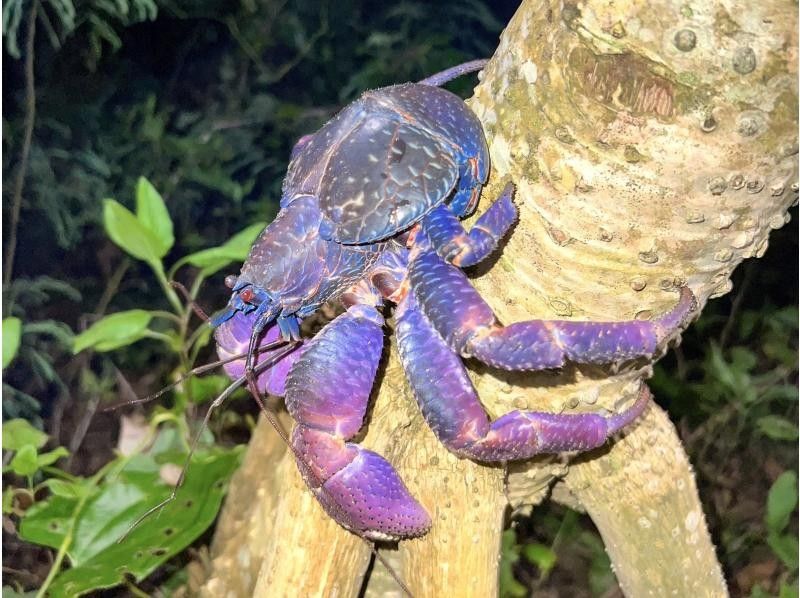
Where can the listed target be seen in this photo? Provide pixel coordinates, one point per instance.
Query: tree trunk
(652, 144)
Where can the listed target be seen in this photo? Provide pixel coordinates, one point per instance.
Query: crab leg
(327, 392)
(451, 407)
(463, 249)
(467, 323)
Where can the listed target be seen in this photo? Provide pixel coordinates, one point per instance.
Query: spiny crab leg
(327, 392)
(468, 325)
(461, 248)
(451, 407)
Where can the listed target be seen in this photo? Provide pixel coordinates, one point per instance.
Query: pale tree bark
(652, 144)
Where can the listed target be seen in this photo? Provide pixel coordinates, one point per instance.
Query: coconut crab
(371, 214)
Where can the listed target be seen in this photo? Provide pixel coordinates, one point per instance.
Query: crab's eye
(230, 281)
(246, 295)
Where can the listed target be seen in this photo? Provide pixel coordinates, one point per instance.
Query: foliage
(82, 518)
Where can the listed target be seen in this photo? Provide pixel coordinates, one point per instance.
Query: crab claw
(233, 338)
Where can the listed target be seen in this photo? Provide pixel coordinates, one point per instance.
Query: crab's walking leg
(451, 407)
(468, 324)
(464, 249)
(327, 392)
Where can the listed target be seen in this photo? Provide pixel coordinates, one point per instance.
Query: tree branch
(641, 164)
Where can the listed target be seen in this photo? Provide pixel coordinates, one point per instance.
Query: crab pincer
(327, 393)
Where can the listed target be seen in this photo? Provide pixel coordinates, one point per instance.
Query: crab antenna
(195, 372)
(195, 441)
(389, 568)
(454, 72)
(199, 312)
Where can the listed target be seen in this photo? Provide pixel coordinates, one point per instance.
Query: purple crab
(371, 214)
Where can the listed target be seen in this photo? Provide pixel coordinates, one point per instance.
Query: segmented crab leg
(468, 325)
(463, 249)
(327, 392)
(451, 407)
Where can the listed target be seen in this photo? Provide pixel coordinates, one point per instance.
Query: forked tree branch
(652, 145)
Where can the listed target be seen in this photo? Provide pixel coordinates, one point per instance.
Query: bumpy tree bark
(653, 144)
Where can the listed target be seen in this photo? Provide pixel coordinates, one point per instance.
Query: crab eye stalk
(246, 295)
(230, 281)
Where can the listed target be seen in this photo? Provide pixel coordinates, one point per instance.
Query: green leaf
(509, 555)
(153, 214)
(114, 331)
(98, 561)
(72, 490)
(51, 457)
(777, 427)
(12, 333)
(9, 592)
(720, 368)
(781, 502)
(8, 500)
(540, 555)
(788, 591)
(18, 433)
(130, 234)
(206, 388)
(48, 521)
(785, 547)
(24, 462)
(234, 249)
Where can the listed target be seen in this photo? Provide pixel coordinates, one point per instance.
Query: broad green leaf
(777, 427)
(24, 462)
(781, 502)
(98, 561)
(130, 234)
(72, 490)
(234, 249)
(153, 214)
(18, 433)
(785, 547)
(48, 521)
(51, 457)
(114, 331)
(540, 555)
(12, 333)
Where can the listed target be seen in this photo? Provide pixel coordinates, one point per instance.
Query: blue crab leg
(327, 392)
(463, 249)
(469, 326)
(451, 407)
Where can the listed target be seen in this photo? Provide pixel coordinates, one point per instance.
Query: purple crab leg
(451, 407)
(327, 392)
(454, 72)
(463, 249)
(469, 326)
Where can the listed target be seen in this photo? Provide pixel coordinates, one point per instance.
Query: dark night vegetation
(185, 114)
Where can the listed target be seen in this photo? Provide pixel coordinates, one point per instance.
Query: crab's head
(247, 297)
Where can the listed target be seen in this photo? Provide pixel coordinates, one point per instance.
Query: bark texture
(653, 144)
